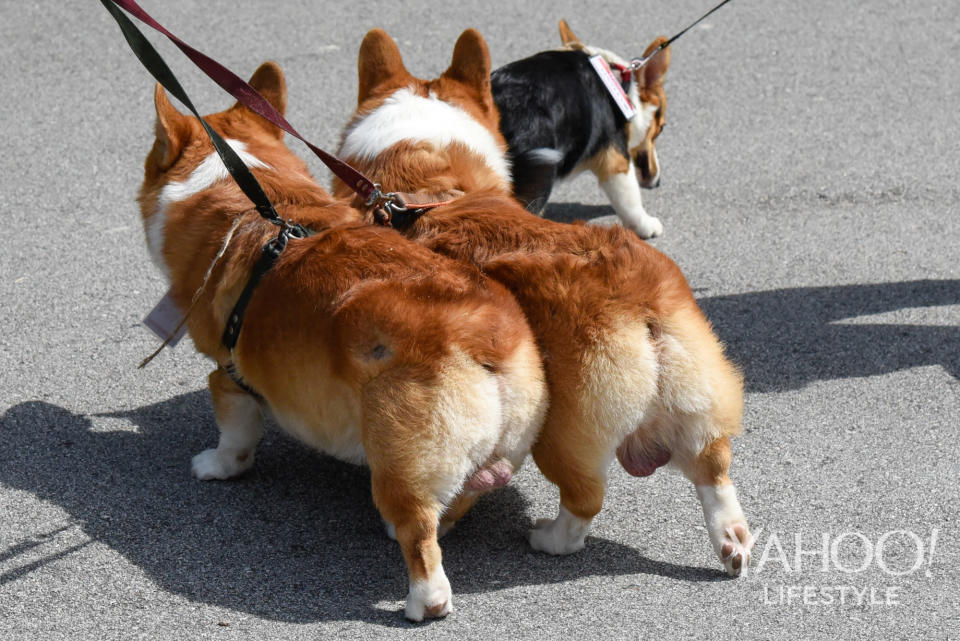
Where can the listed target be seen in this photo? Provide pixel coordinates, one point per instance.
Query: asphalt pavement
(809, 193)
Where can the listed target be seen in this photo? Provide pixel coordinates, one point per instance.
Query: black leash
(636, 63)
(244, 178)
(246, 95)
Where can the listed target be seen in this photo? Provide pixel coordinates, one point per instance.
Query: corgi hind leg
(578, 468)
(414, 516)
(726, 524)
(422, 441)
(241, 427)
(703, 398)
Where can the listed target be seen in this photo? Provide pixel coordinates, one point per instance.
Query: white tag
(613, 86)
(164, 318)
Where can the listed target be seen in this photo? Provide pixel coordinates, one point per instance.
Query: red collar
(626, 73)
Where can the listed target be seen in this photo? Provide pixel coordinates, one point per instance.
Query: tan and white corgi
(559, 118)
(634, 369)
(357, 341)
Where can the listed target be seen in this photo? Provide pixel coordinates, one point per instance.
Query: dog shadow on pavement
(787, 338)
(298, 538)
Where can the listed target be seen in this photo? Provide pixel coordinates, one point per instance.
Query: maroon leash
(368, 190)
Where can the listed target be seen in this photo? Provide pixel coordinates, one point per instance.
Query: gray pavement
(809, 193)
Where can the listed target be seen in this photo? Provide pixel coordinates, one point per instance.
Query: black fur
(554, 100)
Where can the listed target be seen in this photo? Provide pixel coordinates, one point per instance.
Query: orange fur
(627, 351)
(358, 341)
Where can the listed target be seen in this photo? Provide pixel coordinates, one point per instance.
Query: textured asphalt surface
(809, 193)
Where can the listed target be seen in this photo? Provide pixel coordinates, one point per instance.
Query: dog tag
(164, 318)
(613, 86)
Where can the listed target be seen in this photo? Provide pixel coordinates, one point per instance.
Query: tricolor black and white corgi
(559, 118)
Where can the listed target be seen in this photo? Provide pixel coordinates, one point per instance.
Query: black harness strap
(268, 256)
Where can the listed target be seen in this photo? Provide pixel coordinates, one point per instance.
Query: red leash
(251, 98)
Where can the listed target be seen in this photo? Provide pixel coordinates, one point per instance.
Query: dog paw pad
(735, 548)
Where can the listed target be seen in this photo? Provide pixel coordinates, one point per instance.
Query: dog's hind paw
(212, 464)
(431, 598)
(562, 535)
(735, 548)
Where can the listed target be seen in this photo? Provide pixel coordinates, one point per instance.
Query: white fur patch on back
(406, 116)
(202, 177)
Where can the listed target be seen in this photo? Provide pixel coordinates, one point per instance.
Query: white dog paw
(727, 526)
(649, 227)
(211, 464)
(735, 547)
(562, 535)
(431, 598)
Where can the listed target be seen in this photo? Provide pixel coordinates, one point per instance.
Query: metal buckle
(385, 205)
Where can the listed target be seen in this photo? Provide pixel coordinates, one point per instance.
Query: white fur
(430, 593)
(642, 120)
(545, 156)
(240, 431)
(722, 512)
(623, 190)
(406, 116)
(470, 391)
(202, 177)
(562, 535)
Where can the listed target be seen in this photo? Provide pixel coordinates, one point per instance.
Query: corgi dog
(559, 119)
(633, 368)
(357, 341)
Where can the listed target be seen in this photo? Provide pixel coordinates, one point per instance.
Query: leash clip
(388, 210)
(385, 205)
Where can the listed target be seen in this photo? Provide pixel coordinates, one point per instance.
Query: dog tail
(534, 173)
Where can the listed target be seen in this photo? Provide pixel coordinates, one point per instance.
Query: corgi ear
(173, 130)
(652, 73)
(567, 36)
(379, 63)
(471, 62)
(270, 83)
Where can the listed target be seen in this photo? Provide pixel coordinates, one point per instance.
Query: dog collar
(626, 74)
(613, 86)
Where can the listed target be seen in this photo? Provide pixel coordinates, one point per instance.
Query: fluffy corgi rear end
(634, 370)
(357, 342)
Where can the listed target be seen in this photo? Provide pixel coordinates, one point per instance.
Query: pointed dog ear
(379, 64)
(567, 36)
(270, 83)
(172, 129)
(651, 74)
(471, 62)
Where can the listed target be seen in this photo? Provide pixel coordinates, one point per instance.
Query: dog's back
(555, 114)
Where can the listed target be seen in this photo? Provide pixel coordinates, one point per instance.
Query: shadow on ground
(787, 338)
(298, 538)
